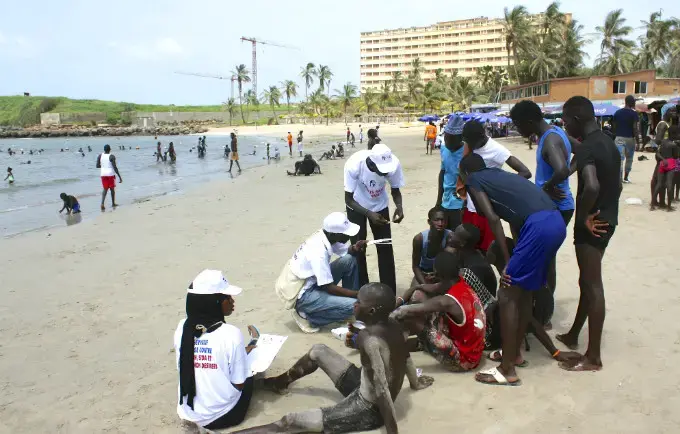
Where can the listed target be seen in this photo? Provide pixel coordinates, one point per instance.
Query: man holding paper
(308, 283)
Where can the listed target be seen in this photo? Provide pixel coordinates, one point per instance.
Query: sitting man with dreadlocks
(215, 380)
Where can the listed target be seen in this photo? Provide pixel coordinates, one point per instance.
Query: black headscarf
(204, 314)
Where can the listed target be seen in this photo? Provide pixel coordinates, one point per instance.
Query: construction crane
(218, 77)
(255, 42)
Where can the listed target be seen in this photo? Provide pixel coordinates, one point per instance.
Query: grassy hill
(21, 110)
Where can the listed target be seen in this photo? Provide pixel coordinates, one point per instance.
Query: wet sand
(89, 310)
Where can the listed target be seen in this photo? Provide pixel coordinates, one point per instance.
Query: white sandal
(498, 376)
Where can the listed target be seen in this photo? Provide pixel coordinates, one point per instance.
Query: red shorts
(109, 182)
(485, 235)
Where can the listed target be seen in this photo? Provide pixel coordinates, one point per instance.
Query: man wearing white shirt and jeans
(494, 155)
(366, 176)
(320, 301)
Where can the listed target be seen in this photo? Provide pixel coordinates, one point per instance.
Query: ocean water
(33, 203)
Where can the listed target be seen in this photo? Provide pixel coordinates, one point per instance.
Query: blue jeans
(321, 308)
(626, 147)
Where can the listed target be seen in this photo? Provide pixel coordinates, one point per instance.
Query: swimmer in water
(10, 176)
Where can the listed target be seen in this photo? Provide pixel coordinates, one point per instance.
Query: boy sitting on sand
(71, 204)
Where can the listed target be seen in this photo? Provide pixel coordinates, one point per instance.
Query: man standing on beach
(106, 162)
(290, 143)
(627, 130)
(234, 153)
(373, 138)
(430, 137)
(553, 158)
(597, 209)
(366, 176)
(500, 195)
(361, 134)
(348, 133)
(451, 154)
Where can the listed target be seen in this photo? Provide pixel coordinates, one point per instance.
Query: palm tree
(289, 88)
(516, 25)
(230, 107)
(307, 73)
(368, 98)
(571, 50)
(396, 81)
(466, 91)
(385, 95)
(324, 74)
(553, 23)
(416, 68)
(316, 101)
(544, 63)
(272, 97)
(613, 33)
(242, 76)
(346, 96)
(413, 89)
(251, 99)
(432, 95)
(655, 44)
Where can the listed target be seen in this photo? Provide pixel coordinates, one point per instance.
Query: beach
(89, 310)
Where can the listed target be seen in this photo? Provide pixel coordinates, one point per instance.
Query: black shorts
(354, 413)
(583, 236)
(567, 214)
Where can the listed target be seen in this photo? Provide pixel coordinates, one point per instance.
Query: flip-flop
(497, 356)
(498, 376)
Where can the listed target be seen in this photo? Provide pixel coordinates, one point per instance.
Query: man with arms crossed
(369, 391)
(597, 210)
(106, 162)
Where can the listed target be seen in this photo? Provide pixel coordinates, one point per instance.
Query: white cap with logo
(337, 223)
(212, 282)
(383, 158)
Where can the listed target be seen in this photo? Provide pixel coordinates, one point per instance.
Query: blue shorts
(539, 240)
(76, 208)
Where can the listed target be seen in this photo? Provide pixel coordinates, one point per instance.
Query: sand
(88, 312)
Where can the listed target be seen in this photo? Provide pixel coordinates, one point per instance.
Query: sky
(130, 50)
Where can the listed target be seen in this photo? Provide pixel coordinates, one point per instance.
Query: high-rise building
(461, 46)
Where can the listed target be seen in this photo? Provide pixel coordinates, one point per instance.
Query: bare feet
(103, 208)
(547, 326)
(276, 384)
(567, 340)
(114, 205)
(652, 207)
(670, 209)
(581, 365)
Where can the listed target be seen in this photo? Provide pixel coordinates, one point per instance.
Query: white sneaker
(304, 325)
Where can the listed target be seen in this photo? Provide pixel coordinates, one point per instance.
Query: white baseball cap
(212, 282)
(383, 158)
(337, 223)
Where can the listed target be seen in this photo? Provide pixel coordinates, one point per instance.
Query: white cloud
(158, 49)
(169, 46)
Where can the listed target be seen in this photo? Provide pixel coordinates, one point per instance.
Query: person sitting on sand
(215, 380)
(328, 155)
(10, 176)
(71, 204)
(369, 390)
(427, 244)
(306, 167)
(340, 151)
(308, 283)
(451, 325)
(463, 244)
(277, 153)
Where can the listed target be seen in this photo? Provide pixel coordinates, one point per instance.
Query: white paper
(380, 241)
(262, 356)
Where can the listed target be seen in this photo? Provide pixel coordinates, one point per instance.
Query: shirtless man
(369, 391)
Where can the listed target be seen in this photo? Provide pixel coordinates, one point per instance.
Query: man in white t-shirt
(494, 155)
(215, 380)
(321, 301)
(366, 176)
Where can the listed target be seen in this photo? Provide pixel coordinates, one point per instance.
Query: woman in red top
(450, 327)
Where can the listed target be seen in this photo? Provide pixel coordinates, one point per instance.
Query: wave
(19, 186)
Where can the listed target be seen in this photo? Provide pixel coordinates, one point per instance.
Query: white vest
(106, 165)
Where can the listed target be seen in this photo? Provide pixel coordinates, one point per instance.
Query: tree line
(539, 47)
